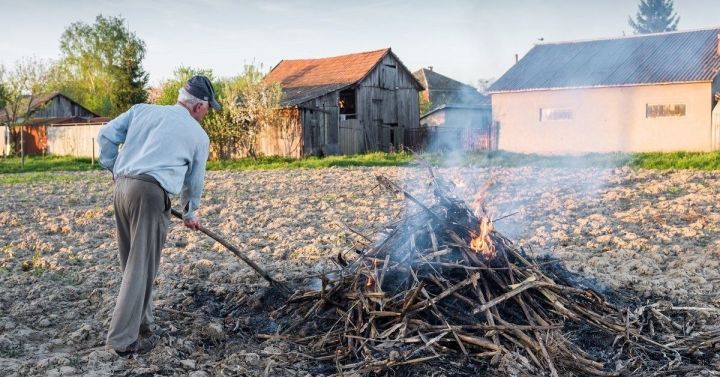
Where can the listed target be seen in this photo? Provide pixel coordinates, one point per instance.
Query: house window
(661, 111)
(548, 114)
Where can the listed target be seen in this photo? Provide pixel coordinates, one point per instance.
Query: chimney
(431, 67)
(516, 58)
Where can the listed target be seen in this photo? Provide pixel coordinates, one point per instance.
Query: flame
(478, 201)
(482, 243)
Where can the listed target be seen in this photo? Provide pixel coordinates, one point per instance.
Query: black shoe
(146, 331)
(140, 346)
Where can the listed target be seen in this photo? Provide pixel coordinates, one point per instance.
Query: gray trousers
(142, 213)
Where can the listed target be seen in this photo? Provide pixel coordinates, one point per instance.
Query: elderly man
(152, 150)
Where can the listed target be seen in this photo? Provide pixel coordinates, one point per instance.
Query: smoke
(518, 182)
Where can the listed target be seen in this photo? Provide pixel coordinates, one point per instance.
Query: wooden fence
(448, 138)
(73, 140)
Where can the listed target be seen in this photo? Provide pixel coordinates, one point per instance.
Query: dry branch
(442, 284)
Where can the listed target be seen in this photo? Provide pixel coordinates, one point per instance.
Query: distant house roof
(478, 107)
(305, 79)
(40, 101)
(675, 57)
(443, 90)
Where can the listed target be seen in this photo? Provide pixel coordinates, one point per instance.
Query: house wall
(61, 106)
(716, 89)
(604, 120)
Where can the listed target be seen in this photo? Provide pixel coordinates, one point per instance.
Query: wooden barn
(651, 92)
(47, 111)
(346, 104)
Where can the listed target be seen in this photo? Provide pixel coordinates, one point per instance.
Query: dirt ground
(654, 232)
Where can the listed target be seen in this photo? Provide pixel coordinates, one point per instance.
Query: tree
(425, 104)
(654, 16)
(483, 85)
(22, 85)
(3, 91)
(102, 65)
(249, 105)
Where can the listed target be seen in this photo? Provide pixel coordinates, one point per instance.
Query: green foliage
(170, 87)
(38, 177)
(36, 264)
(677, 160)
(654, 16)
(275, 162)
(425, 103)
(101, 65)
(3, 90)
(46, 163)
(21, 84)
(249, 105)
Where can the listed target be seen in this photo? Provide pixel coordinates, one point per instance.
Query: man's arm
(194, 183)
(111, 136)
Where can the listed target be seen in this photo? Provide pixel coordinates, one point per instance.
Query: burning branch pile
(443, 285)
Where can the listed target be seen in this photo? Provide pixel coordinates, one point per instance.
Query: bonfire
(444, 291)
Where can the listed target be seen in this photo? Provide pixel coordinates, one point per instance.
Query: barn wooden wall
(321, 123)
(387, 103)
(282, 139)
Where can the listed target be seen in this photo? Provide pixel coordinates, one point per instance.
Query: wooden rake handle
(235, 251)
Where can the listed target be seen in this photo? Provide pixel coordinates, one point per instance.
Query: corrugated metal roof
(688, 56)
(443, 90)
(478, 107)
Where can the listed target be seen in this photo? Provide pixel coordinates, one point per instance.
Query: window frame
(665, 112)
(545, 111)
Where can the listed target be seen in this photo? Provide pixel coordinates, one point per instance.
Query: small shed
(457, 127)
(45, 111)
(346, 104)
(459, 117)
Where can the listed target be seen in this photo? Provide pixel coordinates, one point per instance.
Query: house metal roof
(662, 58)
(443, 90)
(478, 107)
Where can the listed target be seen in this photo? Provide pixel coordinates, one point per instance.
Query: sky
(463, 39)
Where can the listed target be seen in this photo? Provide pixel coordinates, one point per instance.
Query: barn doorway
(346, 103)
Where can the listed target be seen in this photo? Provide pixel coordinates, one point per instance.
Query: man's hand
(192, 223)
